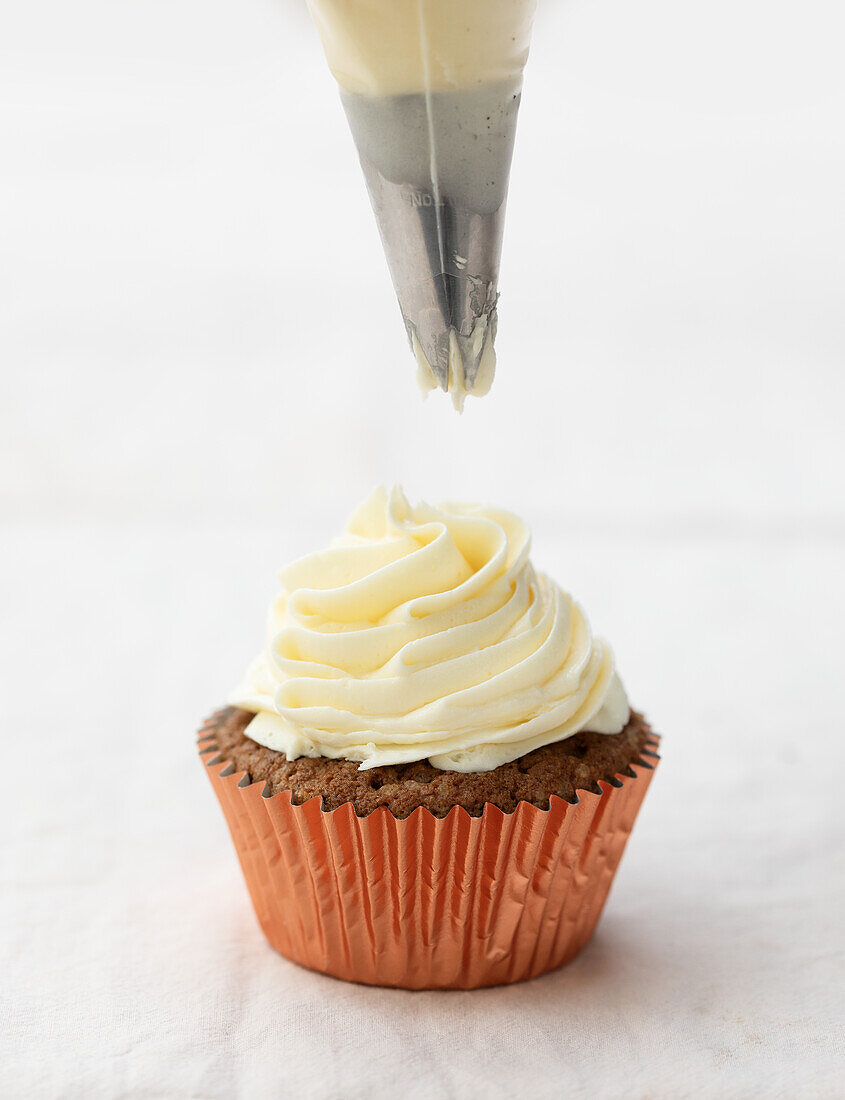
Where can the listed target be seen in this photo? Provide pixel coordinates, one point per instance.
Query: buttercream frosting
(397, 47)
(425, 633)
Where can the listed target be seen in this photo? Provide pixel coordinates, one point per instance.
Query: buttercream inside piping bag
(426, 633)
(431, 89)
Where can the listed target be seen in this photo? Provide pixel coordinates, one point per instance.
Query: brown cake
(561, 769)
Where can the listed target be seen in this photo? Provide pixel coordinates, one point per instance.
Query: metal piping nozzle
(437, 166)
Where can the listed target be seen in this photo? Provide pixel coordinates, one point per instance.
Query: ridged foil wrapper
(457, 902)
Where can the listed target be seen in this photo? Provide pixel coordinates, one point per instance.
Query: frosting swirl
(425, 633)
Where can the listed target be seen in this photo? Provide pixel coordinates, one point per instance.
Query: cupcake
(431, 770)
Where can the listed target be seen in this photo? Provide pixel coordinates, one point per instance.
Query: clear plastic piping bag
(431, 89)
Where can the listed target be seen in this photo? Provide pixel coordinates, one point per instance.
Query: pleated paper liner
(428, 903)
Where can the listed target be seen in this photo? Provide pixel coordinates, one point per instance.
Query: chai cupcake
(431, 770)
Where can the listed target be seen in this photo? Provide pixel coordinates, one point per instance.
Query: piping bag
(431, 89)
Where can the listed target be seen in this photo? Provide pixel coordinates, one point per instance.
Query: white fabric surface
(188, 400)
(133, 965)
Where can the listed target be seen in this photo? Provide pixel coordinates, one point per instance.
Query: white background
(203, 369)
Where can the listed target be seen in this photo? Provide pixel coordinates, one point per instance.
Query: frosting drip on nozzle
(431, 89)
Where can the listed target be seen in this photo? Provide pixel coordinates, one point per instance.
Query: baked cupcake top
(424, 633)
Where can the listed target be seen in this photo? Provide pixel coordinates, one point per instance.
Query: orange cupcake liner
(428, 903)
